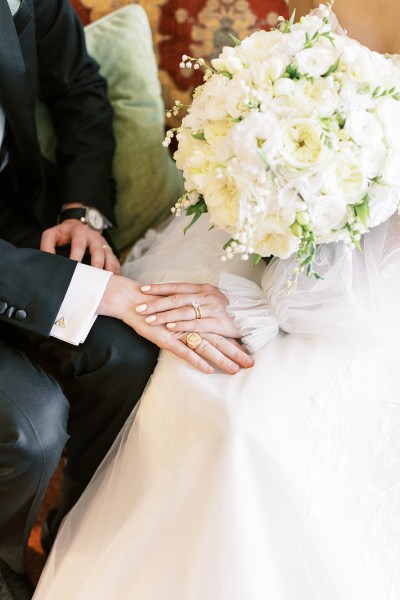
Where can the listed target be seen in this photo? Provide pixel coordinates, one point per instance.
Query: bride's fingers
(224, 353)
(222, 325)
(185, 302)
(169, 289)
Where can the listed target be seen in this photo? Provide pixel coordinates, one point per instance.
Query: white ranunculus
(302, 145)
(274, 236)
(328, 213)
(315, 62)
(388, 113)
(383, 202)
(364, 128)
(345, 177)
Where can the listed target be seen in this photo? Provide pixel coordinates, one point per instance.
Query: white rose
(274, 237)
(255, 138)
(388, 113)
(364, 128)
(317, 97)
(223, 197)
(275, 65)
(328, 213)
(383, 202)
(345, 177)
(196, 159)
(236, 100)
(284, 87)
(302, 145)
(315, 62)
(256, 46)
(228, 60)
(372, 160)
(212, 100)
(358, 65)
(391, 168)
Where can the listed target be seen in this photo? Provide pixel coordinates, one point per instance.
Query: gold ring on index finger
(197, 310)
(193, 340)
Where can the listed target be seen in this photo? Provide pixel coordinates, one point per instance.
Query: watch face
(94, 219)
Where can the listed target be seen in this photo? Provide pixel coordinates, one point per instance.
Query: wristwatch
(88, 215)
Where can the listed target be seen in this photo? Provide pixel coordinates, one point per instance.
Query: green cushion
(148, 183)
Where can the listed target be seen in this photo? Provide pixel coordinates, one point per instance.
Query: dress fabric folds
(282, 481)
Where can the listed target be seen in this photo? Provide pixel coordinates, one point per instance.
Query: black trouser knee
(105, 378)
(33, 420)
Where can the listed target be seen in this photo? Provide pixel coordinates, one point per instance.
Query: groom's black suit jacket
(43, 56)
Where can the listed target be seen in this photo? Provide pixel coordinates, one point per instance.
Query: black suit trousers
(101, 381)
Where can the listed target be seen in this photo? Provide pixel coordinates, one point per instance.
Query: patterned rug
(199, 28)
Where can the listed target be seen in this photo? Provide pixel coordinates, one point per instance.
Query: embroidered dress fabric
(282, 481)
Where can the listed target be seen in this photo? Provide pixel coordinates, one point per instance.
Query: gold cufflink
(61, 322)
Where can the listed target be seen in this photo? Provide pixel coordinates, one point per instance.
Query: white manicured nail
(145, 288)
(150, 319)
(141, 308)
(170, 325)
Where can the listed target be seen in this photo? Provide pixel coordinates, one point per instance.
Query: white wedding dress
(281, 482)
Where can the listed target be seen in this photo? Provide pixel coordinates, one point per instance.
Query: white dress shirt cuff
(78, 310)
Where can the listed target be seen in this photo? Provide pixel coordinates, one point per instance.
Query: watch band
(89, 215)
(73, 213)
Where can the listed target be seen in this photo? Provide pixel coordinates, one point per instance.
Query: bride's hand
(188, 307)
(120, 298)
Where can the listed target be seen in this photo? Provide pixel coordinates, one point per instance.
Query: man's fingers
(48, 241)
(78, 247)
(111, 262)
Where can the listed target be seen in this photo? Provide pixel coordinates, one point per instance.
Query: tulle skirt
(281, 482)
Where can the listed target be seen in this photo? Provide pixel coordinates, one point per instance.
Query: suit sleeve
(32, 287)
(76, 95)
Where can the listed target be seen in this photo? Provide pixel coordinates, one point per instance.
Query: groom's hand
(82, 239)
(120, 300)
(198, 307)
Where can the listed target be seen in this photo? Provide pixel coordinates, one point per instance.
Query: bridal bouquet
(292, 140)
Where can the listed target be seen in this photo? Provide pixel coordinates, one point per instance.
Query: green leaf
(362, 211)
(288, 24)
(226, 74)
(228, 243)
(196, 217)
(235, 39)
(292, 72)
(261, 154)
(332, 68)
(198, 136)
(256, 259)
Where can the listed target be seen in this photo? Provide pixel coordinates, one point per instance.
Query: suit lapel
(15, 86)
